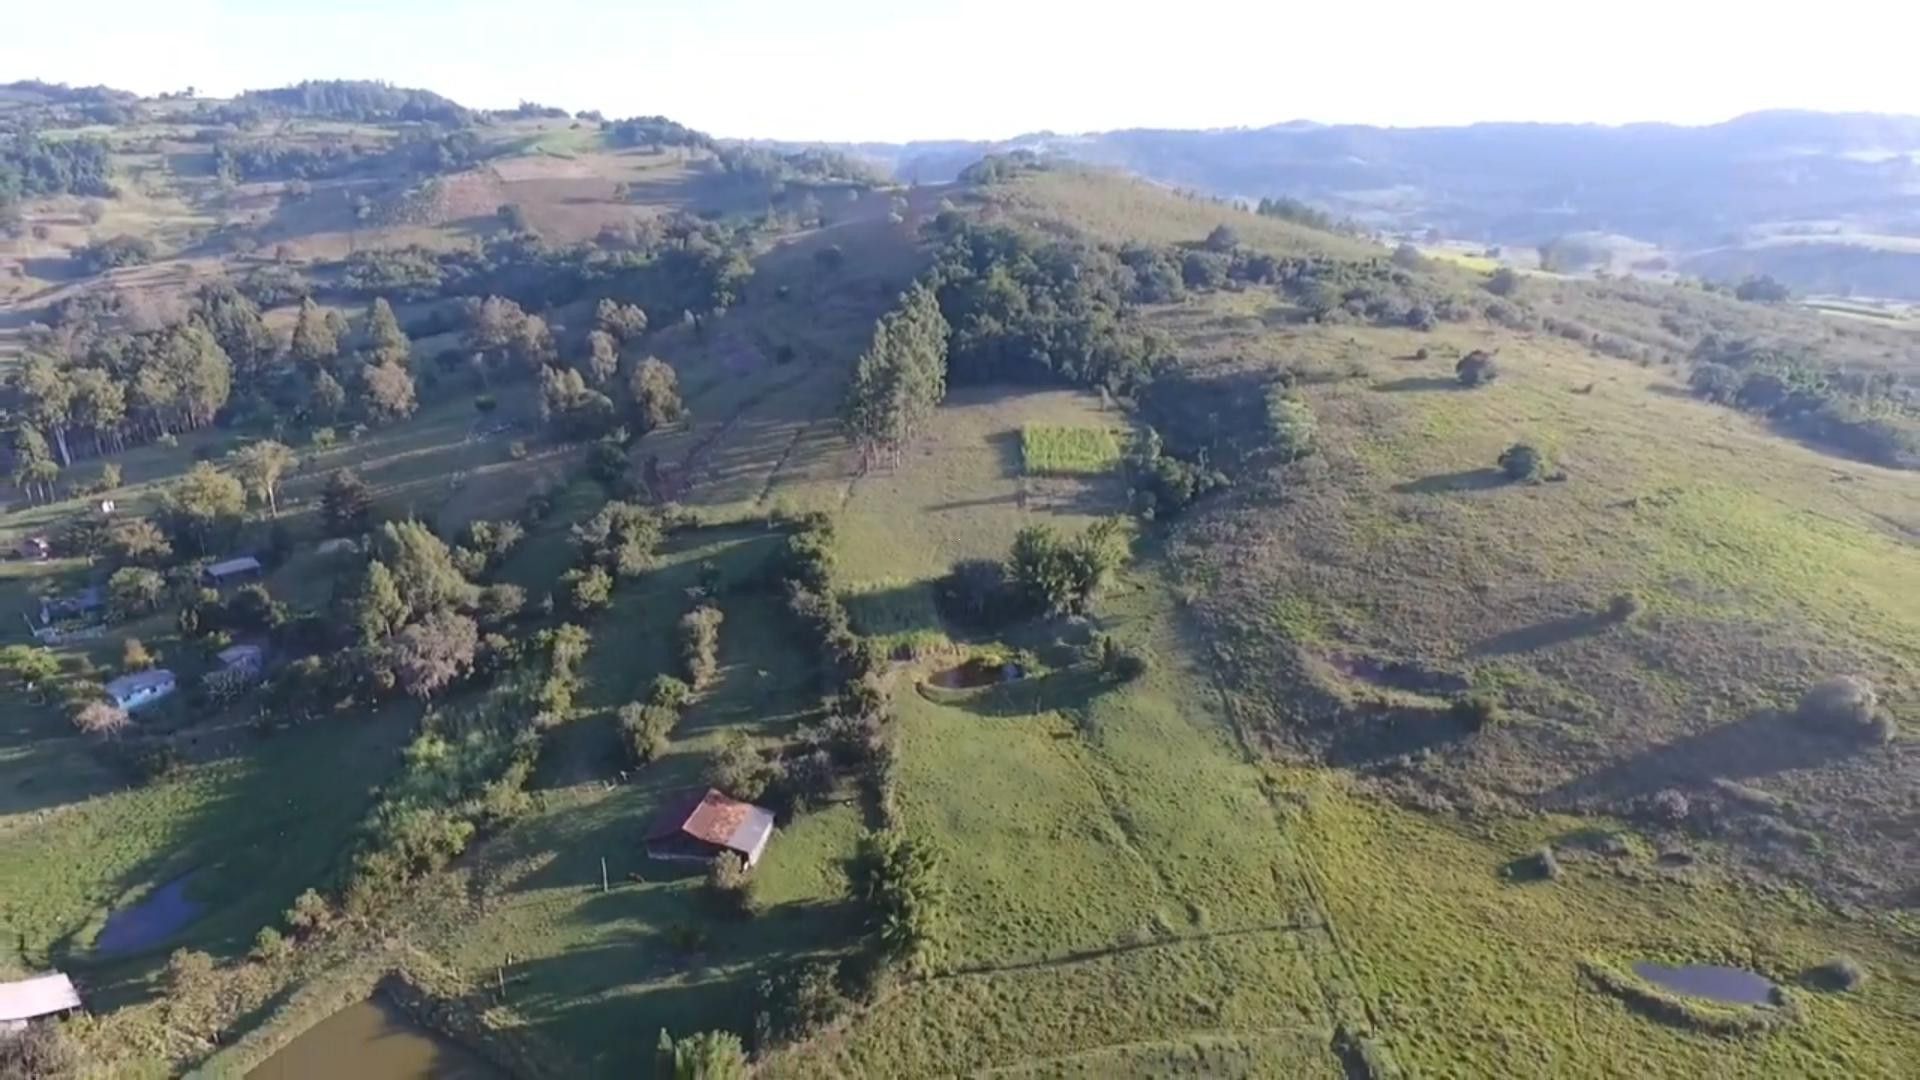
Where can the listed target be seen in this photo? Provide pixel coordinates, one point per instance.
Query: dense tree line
(1865, 417)
(421, 153)
(32, 166)
(900, 379)
(91, 383)
(357, 100)
(656, 132)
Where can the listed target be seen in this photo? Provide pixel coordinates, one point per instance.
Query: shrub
(739, 770)
(644, 730)
(1503, 282)
(1668, 806)
(727, 884)
(1522, 462)
(269, 946)
(792, 1004)
(668, 692)
(1475, 712)
(1540, 865)
(1477, 368)
(1625, 607)
(1846, 705)
(700, 644)
(1117, 661)
(708, 1055)
(100, 718)
(134, 656)
(1841, 974)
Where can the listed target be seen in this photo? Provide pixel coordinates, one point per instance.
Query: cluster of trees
(357, 100)
(88, 381)
(1863, 418)
(684, 265)
(645, 726)
(656, 132)
(32, 166)
(424, 153)
(999, 168)
(1029, 309)
(900, 379)
(813, 165)
(1300, 213)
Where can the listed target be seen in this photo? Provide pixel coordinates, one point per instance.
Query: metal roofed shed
(699, 825)
(30, 999)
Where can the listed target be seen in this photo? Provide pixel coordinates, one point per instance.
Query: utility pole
(603, 873)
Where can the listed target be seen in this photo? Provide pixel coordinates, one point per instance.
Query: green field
(1054, 451)
(1265, 844)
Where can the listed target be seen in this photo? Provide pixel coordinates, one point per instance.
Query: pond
(373, 1040)
(163, 913)
(1711, 981)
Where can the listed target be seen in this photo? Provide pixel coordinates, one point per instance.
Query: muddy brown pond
(373, 1040)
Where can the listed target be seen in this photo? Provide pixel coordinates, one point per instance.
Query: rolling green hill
(1373, 758)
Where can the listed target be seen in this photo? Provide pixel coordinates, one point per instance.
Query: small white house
(33, 998)
(141, 688)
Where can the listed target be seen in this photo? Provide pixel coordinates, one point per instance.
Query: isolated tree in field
(645, 730)
(30, 665)
(387, 391)
(626, 322)
(134, 656)
(1408, 257)
(1477, 368)
(897, 879)
(900, 379)
(313, 343)
(386, 342)
(1061, 576)
(1847, 705)
(589, 589)
(1503, 281)
(203, 507)
(100, 718)
(433, 652)
(346, 502)
(728, 884)
(1290, 425)
(1222, 238)
(708, 1055)
(133, 591)
(378, 609)
(1522, 462)
(423, 568)
(655, 390)
(700, 644)
(603, 356)
(260, 466)
(572, 408)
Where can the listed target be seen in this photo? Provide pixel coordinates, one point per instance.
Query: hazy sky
(862, 69)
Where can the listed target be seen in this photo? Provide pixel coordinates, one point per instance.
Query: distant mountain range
(1827, 202)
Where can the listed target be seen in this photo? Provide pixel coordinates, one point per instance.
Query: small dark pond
(977, 673)
(1729, 985)
(372, 1041)
(163, 913)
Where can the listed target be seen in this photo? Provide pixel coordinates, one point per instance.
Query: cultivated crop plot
(513, 592)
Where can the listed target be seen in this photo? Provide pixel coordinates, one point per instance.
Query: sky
(850, 70)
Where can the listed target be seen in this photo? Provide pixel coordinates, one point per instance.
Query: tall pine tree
(900, 379)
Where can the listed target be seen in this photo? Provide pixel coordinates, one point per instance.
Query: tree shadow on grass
(1544, 635)
(1418, 384)
(1762, 744)
(1071, 689)
(1464, 480)
(1374, 737)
